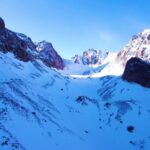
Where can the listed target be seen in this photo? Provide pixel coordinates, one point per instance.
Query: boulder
(138, 71)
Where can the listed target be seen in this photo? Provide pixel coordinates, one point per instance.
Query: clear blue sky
(73, 26)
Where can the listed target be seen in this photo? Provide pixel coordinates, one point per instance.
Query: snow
(146, 31)
(42, 111)
(109, 66)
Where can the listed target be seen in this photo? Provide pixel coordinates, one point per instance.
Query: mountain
(24, 49)
(93, 70)
(114, 63)
(41, 108)
(138, 46)
(90, 57)
(20, 45)
(49, 55)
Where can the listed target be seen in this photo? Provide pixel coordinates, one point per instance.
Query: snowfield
(41, 109)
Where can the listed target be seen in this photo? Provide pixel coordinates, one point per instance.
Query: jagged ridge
(24, 49)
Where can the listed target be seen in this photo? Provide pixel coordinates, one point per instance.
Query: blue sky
(73, 26)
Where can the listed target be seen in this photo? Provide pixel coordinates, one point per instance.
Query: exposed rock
(138, 46)
(130, 129)
(24, 49)
(138, 71)
(49, 56)
(20, 45)
(148, 37)
(90, 56)
(2, 23)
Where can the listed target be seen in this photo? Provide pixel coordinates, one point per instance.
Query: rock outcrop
(90, 57)
(24, 49)
(137, 71)
(2, 23)
(15, 43)
(49, 55)
(138, 46)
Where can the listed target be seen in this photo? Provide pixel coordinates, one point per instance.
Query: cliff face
(90, 57)
(24, 49)
(49, 55)
(138, 46)
(40, 109)
(15, 43)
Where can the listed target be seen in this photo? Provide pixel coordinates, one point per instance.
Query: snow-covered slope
(138, 46)
(41, 109)
(80, 70)
(114, 63)
(80, 108)
(107, 67)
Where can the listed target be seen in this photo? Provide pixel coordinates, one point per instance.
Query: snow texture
(42, 109)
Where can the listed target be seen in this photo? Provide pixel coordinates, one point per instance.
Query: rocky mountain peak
(49, 55)
(40, 46)
(90, 57)
(138, 46)
(18, 44)
(24, 49)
